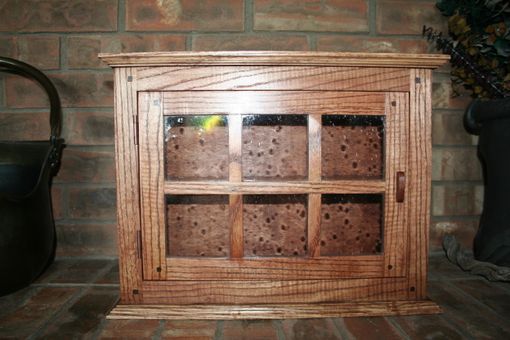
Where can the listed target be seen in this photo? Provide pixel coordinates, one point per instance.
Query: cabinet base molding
(294, 311)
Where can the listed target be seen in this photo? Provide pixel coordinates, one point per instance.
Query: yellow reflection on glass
(210, 122)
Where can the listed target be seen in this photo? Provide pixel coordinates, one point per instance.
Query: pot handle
(14, 66)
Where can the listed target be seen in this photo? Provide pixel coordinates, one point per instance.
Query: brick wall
(63, 38)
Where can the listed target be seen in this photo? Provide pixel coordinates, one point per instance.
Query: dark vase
(491, 121)
(27, 230)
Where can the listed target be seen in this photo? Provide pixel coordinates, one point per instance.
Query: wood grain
(288, 78)
(296, 311)
(235, 126)
(236, 226)
(206, 282)
(314, 224)
(396, 231)
(126, 165)
(314, 147)
(273, 102)
(271, 58)
(419, 175)
(267, 187)
(274, 268)
(274, 291)
(151, 183)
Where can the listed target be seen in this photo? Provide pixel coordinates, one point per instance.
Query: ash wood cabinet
(271, 184)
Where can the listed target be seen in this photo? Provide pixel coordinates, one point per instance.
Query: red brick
(189, 329)
(448, 129)
(24, 93)
(86, 240)
(371, 328)
(89, 128)
(250, 42)
(129, 329)
(42, 52)
(456, 199)
(189, 15)
(58, 15)
(78, 271)
(492, 296)
(371, 44)
(441, 269)
(83, 50)
(249, 329)
(57, 201)
(112, 275)
(408, 17)
(324, 16)
(11, 302)
(86, 166)
(443, 97)
(85, 89)
(479, 321)
(92, 203)
(464, 231)
(310, 329)
(427, 327)
(25, 126)
(83, 318)
(37, 310)
(8, 46)
(456, 163)
(75, 90)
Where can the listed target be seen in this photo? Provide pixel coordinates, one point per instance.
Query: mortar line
(248, 16)
(121, 16)
(372, 17)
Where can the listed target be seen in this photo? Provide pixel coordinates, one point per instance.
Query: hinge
(139, 244)
(135, 127)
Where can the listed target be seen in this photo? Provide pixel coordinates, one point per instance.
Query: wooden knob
(401, 186)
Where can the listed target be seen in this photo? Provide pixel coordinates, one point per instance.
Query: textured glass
(351, 224)
(197, 225)
(352, 147)
(196, 147)
(275, 147)
(275, 225)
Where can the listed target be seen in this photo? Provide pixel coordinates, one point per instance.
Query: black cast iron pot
(491, 121)
(27, 231)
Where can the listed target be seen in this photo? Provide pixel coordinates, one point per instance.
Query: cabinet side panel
(395, 243)
(152, 196)
(419, 169)
(128, 209)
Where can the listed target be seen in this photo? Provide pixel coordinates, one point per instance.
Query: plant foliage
(480, 29)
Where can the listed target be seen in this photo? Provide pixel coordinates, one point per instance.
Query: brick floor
(72, 298)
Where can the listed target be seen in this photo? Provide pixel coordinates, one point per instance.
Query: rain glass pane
(351, 224)
(275, 147)
(275, 225)
(352, 147)
(196, 147)
(197, 225)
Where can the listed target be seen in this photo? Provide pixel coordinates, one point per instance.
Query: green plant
(479, 30)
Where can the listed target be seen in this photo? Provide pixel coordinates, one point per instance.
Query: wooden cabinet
(270, 184)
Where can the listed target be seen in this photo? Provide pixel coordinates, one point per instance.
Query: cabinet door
(273, 185)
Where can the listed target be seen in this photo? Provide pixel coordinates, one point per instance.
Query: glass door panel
(352, 147)
(274, 147)
(196, 147)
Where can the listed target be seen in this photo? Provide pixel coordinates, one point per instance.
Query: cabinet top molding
(224, 58)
